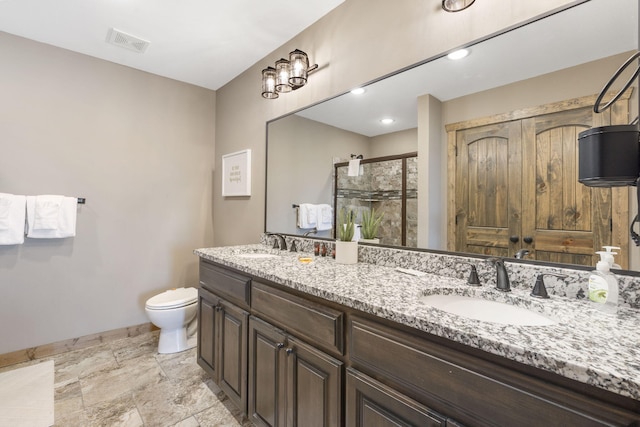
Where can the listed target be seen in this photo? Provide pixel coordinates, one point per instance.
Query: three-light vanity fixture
(287, 75)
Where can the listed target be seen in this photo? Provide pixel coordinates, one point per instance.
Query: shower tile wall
(380, 187)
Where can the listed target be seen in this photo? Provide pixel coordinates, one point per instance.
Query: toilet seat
(173, 298)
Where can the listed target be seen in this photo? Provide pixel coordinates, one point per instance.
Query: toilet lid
(173, 298)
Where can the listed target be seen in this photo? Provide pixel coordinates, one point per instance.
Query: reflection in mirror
(549, 61)
(386, 185)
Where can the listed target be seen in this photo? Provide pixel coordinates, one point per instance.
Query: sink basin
(486, 311)
(256, 255)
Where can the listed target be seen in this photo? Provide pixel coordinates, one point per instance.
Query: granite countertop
(585, 344)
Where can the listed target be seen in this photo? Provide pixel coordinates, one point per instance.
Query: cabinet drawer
(470, 389)
(317, 324)
(228, 284)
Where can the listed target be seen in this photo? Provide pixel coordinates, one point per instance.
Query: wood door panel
(314, 384)
(267, 395)
(234, 324)
(533, 191)
(567, 242)
(488, 208)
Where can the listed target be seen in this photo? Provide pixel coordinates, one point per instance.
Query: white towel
(307, 215)
(354, 167)
(47, 212)
(325, 217)
(66, 219)
(12, 219)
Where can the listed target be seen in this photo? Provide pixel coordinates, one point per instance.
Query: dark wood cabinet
(469, 389)
(207, 322)
(290, 382)
(222, 345)
(314, 386)
(267, 394)
(279, 355)
(370, 403)
(232, 354)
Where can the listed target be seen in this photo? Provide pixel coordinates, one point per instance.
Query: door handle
(528, 239)
(514, 239)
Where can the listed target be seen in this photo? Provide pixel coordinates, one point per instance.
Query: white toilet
(172, 311)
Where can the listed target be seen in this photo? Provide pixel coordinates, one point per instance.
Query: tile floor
(127, 383)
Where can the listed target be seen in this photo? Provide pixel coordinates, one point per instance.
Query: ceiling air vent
(127, 41)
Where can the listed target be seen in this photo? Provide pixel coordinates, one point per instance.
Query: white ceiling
(203, 42)
(584, 33)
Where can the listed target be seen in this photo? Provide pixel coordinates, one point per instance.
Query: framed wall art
(236, 174)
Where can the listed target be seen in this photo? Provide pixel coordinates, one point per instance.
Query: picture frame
(236, 174)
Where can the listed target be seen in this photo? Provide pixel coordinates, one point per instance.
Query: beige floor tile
(121, 412)
(127, 383)
(171, 401)
(78, 364)
(110, 384)
(189, 422)
(68, 398)
(131, 348)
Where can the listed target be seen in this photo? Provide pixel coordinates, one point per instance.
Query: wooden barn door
(488, 188)
(516, 186)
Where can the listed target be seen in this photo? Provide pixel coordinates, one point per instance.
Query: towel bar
(81, 200)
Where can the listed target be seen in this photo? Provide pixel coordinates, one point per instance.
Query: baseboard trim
(72, 344)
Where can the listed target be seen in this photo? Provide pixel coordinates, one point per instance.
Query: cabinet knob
(218, 308)
(528, 239)
(289, 351)
(514, 239)
(280, 345)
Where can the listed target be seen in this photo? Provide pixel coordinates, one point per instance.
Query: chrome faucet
(280, 241)
(521, 253)
(502, 278)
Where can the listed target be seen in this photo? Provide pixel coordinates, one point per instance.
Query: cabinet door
(266, 374)
(372, 404)
(314, 384)
(232, 361)
(207, 342)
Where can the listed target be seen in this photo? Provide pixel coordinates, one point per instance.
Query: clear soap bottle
(603, 285)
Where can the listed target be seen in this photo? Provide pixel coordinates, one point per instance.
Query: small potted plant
(346, 248)
(369, 227)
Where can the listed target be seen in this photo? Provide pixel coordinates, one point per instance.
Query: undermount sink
(256, 255)
(486, 310)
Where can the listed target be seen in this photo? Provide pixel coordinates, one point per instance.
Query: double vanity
(401, 338)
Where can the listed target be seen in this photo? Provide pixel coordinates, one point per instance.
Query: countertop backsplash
(522, 275)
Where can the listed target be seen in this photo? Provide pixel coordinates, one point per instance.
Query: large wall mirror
(539, 68)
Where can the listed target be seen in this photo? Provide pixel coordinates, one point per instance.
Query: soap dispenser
(610, 259)
(603, 285)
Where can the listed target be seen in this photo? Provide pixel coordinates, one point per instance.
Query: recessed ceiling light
(387, 121)
(458, 54)
(358, 91)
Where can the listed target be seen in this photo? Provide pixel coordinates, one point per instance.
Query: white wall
(140, 148)
(357, 42)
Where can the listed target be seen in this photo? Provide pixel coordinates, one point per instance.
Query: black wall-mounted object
(609, 156)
